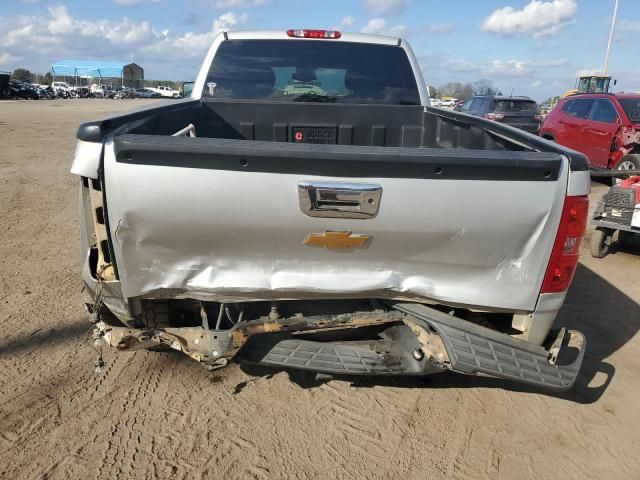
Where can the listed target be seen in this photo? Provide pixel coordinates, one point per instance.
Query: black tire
(600, 243)
(629, 162)
(625, 239)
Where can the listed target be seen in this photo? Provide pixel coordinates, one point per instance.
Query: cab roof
(282, 35)
(605, 94)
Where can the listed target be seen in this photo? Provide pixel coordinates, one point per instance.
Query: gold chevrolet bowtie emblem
(336, 239)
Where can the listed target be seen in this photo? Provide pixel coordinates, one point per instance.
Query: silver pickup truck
(307, 208)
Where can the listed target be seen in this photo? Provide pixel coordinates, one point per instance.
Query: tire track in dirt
(129, 424)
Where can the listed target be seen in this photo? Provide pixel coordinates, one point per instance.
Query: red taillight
(566, 249)
(331, 34)
(494, 116)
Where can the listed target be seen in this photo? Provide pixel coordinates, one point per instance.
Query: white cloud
(6, 58)
(34, 42)
(375, 25)
(236, 3)
(535, 84)
(192, 45)
(61, 22)
(629, 26)
(493, 69)
(507, 67)
(442, 27)
(227, 21)
(537, 18)
(386, 7)
(127, 3)
(520, 68)
(378, 26)
(346, 22)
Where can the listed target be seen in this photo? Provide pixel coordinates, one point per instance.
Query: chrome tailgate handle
(339, 199)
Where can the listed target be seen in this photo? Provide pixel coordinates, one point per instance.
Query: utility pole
(613, 26)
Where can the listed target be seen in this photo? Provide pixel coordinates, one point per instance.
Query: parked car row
(19, 90)
(603, 126)
(26, 91)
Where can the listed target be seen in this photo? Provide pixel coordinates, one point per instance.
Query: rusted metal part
(431, 343)
(104, 270)
(298, 324)
(216, 347)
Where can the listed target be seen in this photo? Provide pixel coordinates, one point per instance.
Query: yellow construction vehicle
(591, 84)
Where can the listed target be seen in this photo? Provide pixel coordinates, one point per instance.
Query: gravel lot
(161, 415)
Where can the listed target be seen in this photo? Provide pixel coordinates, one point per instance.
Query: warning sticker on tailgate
(324, 135)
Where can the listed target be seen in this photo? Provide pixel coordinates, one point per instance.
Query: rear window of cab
(312, 71)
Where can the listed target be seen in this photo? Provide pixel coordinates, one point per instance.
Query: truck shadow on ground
(607, 317)
(44, 338)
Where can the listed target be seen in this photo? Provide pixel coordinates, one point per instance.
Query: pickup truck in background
(307, 208)
(166, 91)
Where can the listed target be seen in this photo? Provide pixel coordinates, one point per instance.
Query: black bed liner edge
(97, 131)
(336, 160)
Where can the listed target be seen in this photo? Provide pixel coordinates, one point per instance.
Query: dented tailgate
(216, 219)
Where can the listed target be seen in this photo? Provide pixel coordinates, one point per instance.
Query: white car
(61, 86)
(166, 91)
(146, 93)
(448, 102)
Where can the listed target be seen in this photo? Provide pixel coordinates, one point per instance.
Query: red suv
(603, 126)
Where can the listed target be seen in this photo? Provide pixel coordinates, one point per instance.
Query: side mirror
(187, 89)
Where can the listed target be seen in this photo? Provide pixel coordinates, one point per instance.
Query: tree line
(464, 91)
(24, 75)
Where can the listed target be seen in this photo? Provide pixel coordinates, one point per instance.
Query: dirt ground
(161, 415)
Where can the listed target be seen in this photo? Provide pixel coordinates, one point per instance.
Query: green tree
(466, 93)
(22, 74)
(485, 87)
(450, 89)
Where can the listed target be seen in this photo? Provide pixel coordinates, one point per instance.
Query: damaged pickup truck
(307, 208)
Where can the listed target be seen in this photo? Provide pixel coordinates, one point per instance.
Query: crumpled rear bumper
(415, 340)
(474, 349)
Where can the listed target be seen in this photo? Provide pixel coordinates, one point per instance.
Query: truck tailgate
(217, 219)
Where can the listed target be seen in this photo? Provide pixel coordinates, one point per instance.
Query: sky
(526, 47)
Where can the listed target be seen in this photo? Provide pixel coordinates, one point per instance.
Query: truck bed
(362, 125)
